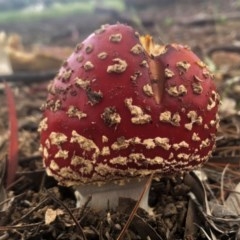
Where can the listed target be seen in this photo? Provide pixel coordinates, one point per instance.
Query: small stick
(146, 187)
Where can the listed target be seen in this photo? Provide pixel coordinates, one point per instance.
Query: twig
(28, 77)
(10, 199)
(225, 48)
(69, 212)
(31, 211)
(31, 158)
(6, 228)
(5, 236)
(146, 187)
(204, 19)
(222, 161)
(84, 208)
(222, 183)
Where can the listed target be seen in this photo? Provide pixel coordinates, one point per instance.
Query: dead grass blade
(3, 194)
(13, 141)
(134, 211)
(222, 184)
(21, 227)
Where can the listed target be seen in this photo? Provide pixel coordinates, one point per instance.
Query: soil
(35, 207)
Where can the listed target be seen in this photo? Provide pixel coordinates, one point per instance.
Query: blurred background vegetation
(15, 10)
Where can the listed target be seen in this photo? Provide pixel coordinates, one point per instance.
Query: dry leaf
(13, 56)
(51, 215)
(224, 224)
(228, 107)
(5, 66)
(233, 201)
(199, 197)
(192, 218)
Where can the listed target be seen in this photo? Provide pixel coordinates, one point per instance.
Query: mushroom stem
(107, 196)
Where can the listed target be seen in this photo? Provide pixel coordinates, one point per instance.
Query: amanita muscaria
(122, 108)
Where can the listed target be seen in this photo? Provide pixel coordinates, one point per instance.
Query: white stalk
(107, 195)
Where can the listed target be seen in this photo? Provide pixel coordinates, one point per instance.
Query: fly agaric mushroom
(122, 108)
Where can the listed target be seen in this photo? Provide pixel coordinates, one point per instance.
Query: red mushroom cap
(122, 107)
